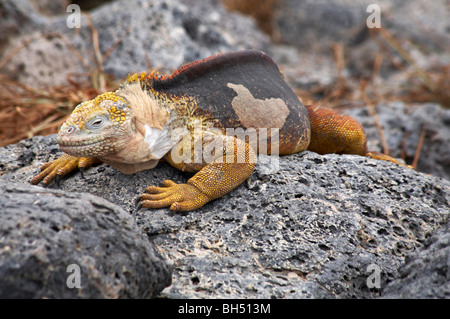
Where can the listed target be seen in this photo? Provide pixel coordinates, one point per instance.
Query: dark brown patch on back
(207, 82)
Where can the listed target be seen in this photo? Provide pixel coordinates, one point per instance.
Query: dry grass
(26, 111)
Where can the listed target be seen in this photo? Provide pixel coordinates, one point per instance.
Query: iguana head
(97, 128)
(125, 126)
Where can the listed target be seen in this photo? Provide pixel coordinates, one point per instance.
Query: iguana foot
(62, 166)
(180, 197)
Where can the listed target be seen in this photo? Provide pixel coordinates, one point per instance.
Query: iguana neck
(150, 135)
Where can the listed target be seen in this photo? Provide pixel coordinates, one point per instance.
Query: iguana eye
(96, 123)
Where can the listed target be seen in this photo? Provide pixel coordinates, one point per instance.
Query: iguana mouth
(80, 144)
(78, 149)
(71, 142)
(77, 145)
(84, 147)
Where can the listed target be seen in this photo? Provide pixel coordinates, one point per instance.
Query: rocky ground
(310, 227)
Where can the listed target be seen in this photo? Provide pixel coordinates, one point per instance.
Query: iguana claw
(53, 171)
(180, 197)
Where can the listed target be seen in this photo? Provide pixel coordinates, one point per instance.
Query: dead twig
(374, 114)
(115, 44)
(99, 76)
(15, 51)
(419, 147)
(396, 45)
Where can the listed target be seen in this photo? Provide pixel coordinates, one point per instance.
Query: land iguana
(190, 120)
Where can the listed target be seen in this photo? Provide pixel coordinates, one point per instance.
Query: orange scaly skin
(134, 127)
(340, 134)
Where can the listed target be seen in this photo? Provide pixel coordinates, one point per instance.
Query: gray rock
(301, 23)
(426, 273)
(402, 126)
(44, 231)
(26, 152)
(21, 16)
(309, 229)
(314, 26)
(166, 33)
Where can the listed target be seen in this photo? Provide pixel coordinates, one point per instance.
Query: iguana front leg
(212, 181)
(61, 167)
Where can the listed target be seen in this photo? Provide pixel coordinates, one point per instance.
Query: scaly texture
(204, 186)
(335, 133)
(194, 119)
(61, 167)
(86, 111)
(340, 134)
